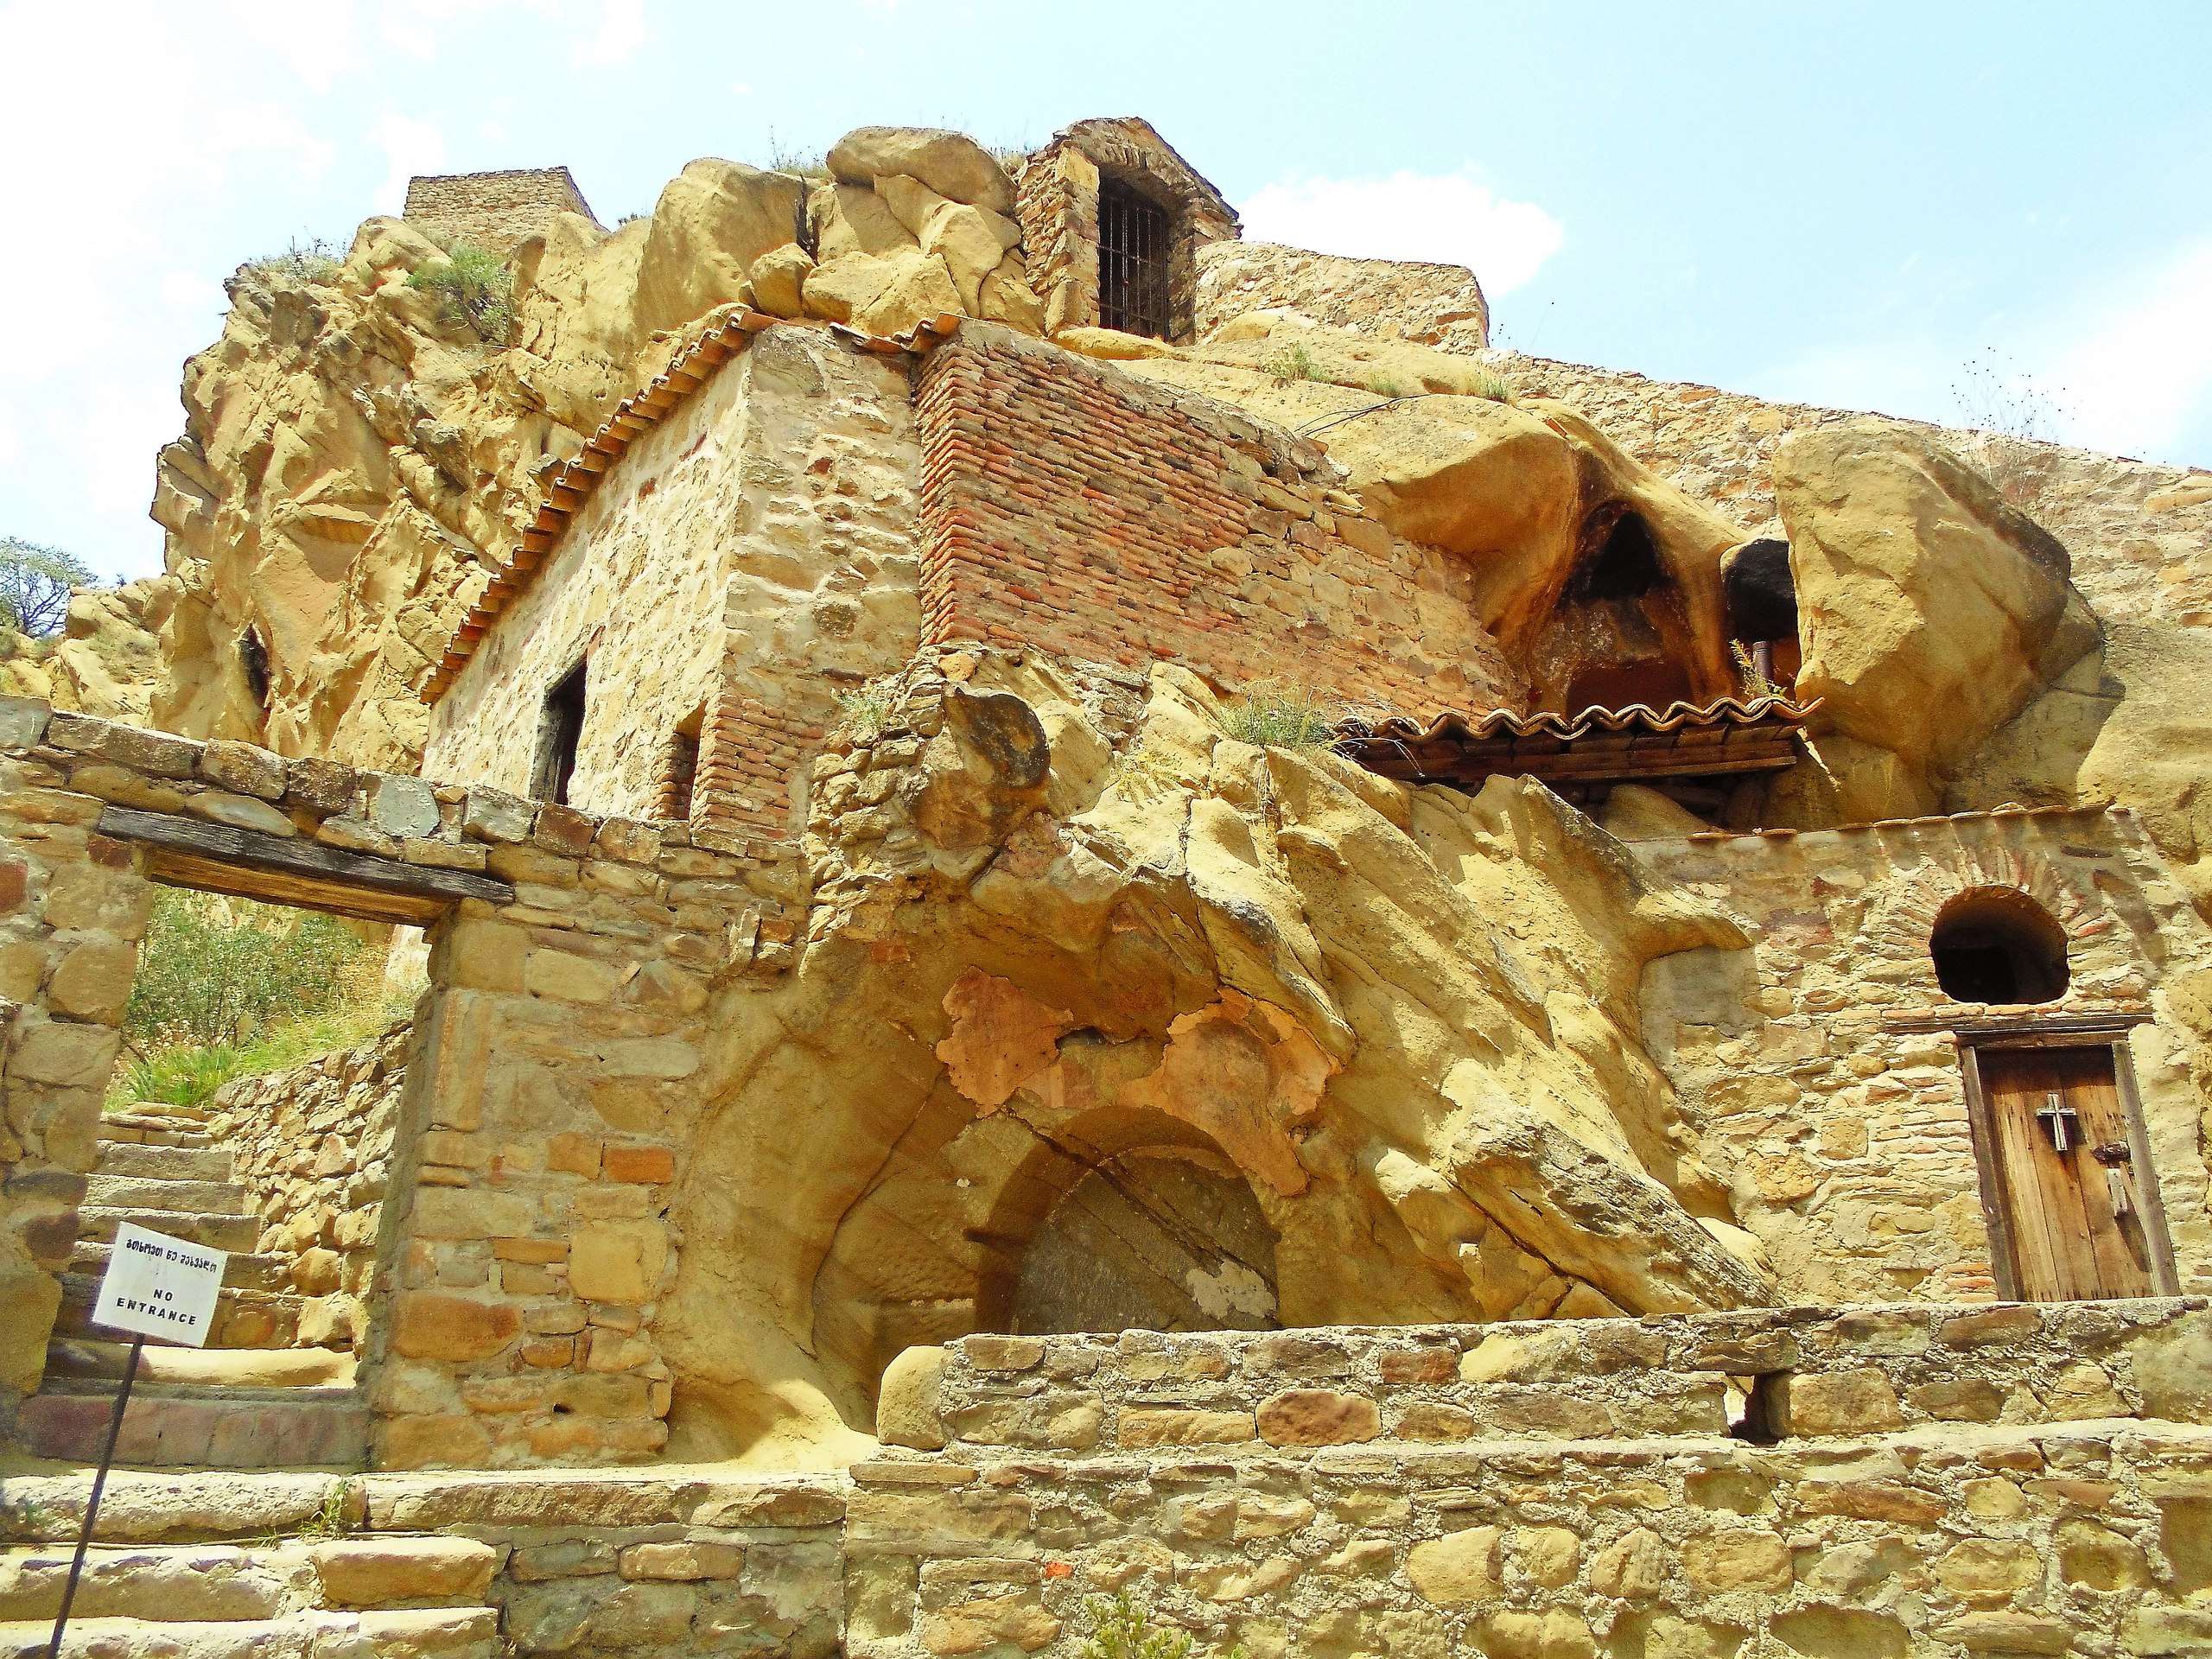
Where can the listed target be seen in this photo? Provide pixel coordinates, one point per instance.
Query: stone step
(118, 1131)
(98, 1221)
(416, 1633)
(70, 1360)
(170, 1427)
(244, 1270)
(157, 1161)
(160, 1192)
(183, 1583)
(199, 1582)
(244, 1318)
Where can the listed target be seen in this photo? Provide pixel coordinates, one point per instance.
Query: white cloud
(1451, 219)
(410, 147)
(2140, 377)
(622, 32)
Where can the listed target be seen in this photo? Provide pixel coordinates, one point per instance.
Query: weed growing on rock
(866, 708)
(1291, 362)
(1757, 683)
(334, 1519)
(316, 261)
(1489, 382)
(1144, 772)
(475, 290)
(1274, 716)
(1119, 1632)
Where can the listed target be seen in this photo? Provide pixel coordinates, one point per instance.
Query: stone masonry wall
(1845, 1135)
(545, 1113)
(1070, 508)
(492, 210)
(1428, 304)
(752, 552)
(1569, 1490)
(71, 912)
(312, 1146)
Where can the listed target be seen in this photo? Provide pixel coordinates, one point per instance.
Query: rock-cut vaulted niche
(1996, 945)
(1155, 1233)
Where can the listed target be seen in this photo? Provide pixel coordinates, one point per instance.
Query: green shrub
(475, 290)
(214, 970)
(1271, 715)
(229, 989)
(34, 584)
(1291, 362)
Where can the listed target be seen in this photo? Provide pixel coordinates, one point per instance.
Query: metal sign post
(154, 1286)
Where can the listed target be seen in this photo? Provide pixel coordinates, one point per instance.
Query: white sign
(157, 1286)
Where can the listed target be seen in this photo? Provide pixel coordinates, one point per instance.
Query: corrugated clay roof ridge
(571, 484)
(1451, 722)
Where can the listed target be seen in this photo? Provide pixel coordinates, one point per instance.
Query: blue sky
(1838, 205)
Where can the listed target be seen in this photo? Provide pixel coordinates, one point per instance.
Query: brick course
(1069, 508)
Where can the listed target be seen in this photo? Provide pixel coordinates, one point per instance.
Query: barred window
(1133, 249)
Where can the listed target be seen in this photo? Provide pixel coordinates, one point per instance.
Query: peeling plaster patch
(1001, 1036)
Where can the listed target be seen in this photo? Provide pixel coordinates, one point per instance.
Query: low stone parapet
(1763, 1376)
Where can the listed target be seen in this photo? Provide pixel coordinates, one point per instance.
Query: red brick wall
(1070, 508)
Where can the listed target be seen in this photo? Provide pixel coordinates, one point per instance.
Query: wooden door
(2073, 1197)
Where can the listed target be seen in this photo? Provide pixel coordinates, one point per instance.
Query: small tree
(34, 584)
(475, 291)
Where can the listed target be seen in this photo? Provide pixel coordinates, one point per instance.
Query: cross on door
(2061, 1120)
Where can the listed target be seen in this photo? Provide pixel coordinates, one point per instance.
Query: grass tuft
(1756, 684)
(867, 711)
(475, 290)
(1291, 362)
(1490, 384)
(1274, 716)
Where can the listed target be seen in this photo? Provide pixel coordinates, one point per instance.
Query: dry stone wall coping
(1797, 1372)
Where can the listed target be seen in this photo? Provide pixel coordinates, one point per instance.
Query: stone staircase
(249, 1399)
(384, 1597)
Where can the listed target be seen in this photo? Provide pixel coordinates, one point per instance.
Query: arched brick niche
(2062, 946)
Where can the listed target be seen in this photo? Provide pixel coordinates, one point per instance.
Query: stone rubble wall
(747, 557)
(1392, 299)
(312, 1146)
(1762, 1374)
(494, 211)
(1070, 508)
(1843, 1128)
(71, 912)
(2008, 1480)
(1911, 1479)
(545, 1113)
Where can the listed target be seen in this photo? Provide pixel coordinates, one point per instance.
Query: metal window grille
(1133, 244)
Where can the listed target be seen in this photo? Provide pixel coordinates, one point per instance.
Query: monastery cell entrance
(2073, 1211)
